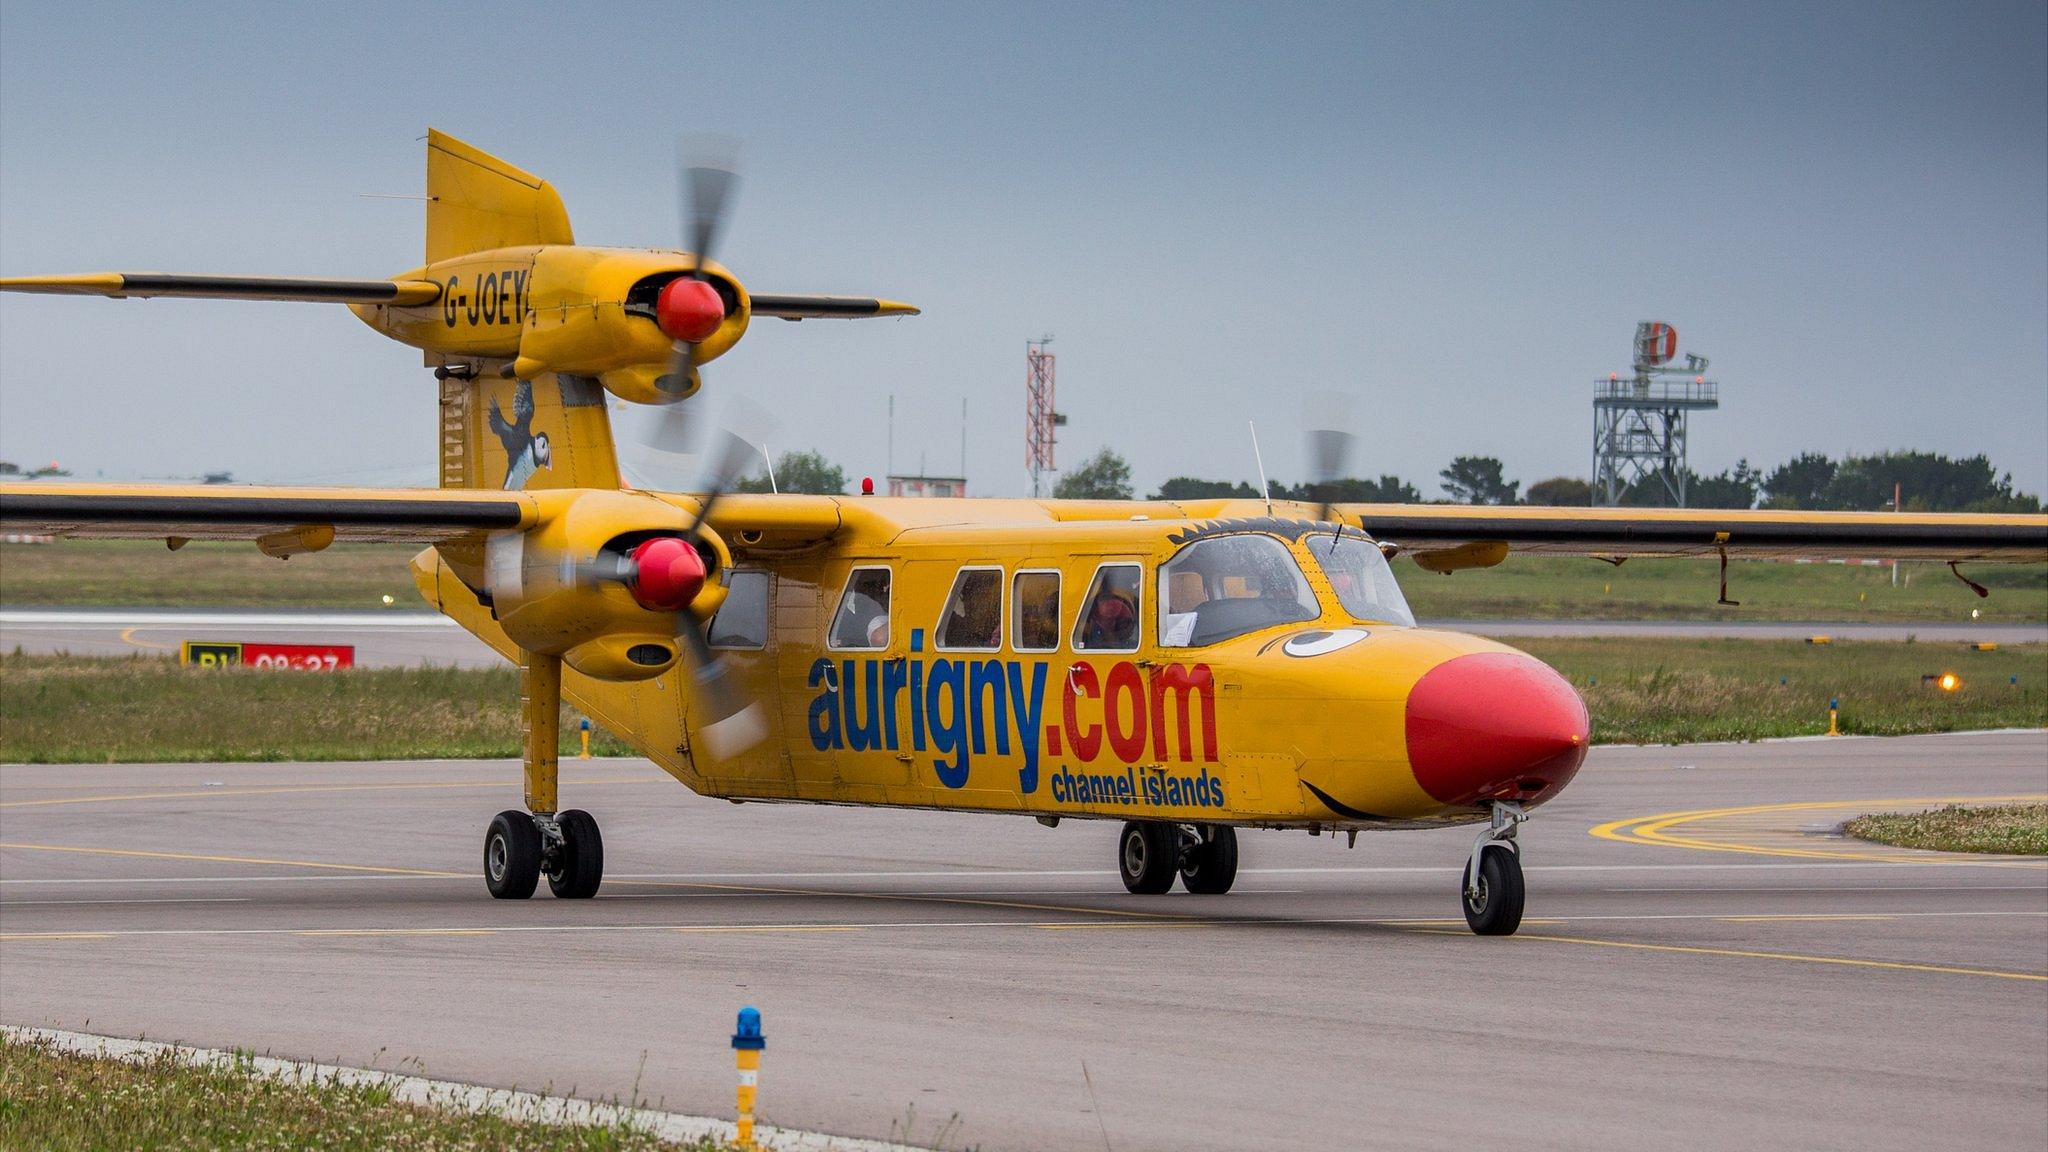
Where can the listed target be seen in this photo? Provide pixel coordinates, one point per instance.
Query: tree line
(1922, 482)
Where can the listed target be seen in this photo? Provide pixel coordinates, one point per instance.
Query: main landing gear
(1493, 875)
(521, 847)
(1150, 853)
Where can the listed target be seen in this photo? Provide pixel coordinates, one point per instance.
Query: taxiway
(1706, 961)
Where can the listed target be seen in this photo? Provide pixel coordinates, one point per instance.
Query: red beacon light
(867, 485)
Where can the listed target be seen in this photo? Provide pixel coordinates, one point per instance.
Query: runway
(412, 638)
(1706, 963)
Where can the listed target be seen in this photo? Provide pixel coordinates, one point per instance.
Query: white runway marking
(117, 618)
(1187, 921)
(969, 874)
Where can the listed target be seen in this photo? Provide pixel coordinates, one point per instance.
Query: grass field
(203, 574)
(2015, 829)
(140, 573)
(64, 709)
(1663, 691)
(51, 1099)
(1562, 588)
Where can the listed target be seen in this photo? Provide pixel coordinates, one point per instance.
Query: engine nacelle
(570, 585)
(582, 311)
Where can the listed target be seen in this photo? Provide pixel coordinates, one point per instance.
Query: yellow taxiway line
(1793, 957)
(137, 852)
(1659, 829)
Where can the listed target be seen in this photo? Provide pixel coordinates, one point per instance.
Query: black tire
(1210, 868)
(1148, 856)
(580, 867)
(1496, 910)
(512, 855)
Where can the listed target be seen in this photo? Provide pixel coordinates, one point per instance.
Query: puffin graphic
(525, 453)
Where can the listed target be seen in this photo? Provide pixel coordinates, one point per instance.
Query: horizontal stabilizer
(124, 284)
(828, 307)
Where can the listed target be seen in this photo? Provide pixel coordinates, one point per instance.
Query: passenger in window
(863, 620)
(1113, 623)
(974, 612)
(1110, 620)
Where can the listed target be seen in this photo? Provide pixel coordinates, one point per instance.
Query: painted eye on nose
(1321, 642)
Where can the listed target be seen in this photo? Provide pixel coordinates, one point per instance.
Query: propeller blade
(710, 176)
(736, 723)
(1329, 447)
(730, 458)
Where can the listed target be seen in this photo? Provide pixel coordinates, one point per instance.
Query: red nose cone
(689, 310)
(668, 574)
(1494, 726)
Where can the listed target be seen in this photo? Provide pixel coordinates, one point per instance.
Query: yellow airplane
(1185, 668)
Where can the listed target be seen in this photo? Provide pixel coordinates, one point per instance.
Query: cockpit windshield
(1230, 585)
(1363, 580)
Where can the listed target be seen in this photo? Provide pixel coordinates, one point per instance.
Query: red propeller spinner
(668, 572)
(689, 310)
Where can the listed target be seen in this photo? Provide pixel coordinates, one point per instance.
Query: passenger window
(973, 619)
(862, 620)
(742, 621)
(1109, 618)
(1035, 608)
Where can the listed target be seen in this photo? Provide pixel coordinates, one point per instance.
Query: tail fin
(476, 202)
(549, 432)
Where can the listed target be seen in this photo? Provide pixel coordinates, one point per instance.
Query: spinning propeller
(690, 308)
(666, 574)
(1329, 448)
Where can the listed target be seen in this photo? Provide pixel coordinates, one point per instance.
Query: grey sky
(1454, 214)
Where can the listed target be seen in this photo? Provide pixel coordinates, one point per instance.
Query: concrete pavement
(1739, 977)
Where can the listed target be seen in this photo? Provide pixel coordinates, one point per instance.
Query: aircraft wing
(125, 284)
(1616, 533)
(291, 519)
(826, 307)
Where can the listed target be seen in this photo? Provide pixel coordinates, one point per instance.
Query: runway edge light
(747, 1044)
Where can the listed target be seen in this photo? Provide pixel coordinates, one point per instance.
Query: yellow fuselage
(1247, 731)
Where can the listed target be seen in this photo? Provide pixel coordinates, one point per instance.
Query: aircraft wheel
(579, 865)
(512, 855)
(1495, 907)
(1208, 868)
(1147, 856)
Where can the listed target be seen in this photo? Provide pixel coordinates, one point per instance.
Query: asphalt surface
(411, 638)
(1732, 980)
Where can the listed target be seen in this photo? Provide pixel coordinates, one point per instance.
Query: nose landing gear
(1493, 875)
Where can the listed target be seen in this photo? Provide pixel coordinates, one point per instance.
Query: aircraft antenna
(772, 485)
(1265, 489)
